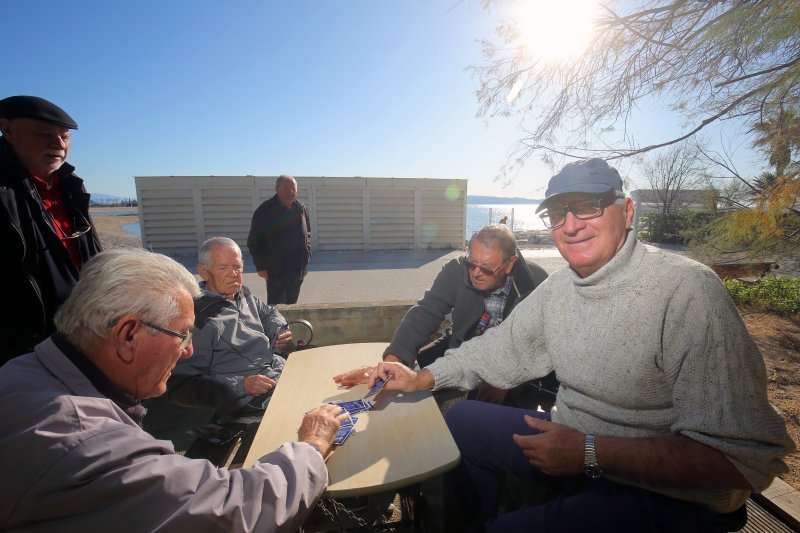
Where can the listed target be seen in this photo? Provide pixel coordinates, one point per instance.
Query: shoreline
(109, 228)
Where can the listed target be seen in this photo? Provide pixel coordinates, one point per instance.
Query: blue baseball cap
(591, 176)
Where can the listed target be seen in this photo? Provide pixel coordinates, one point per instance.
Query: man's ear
(630, 207)
(511, 261)
(123, 335)
(203, 271)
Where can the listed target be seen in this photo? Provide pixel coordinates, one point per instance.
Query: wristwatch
(590, 466)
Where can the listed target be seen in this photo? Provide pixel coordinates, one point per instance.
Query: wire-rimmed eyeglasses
(555, 216)
(85, 227)
(186, 337)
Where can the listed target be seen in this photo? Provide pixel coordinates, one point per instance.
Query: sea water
(523, 218)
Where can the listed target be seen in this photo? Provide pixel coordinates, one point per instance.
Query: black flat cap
(37, 109)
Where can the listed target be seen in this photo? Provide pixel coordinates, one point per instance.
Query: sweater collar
(615, 269)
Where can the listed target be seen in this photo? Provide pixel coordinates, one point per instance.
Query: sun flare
(555, 31)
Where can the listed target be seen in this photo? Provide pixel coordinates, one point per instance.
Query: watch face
(593, 471)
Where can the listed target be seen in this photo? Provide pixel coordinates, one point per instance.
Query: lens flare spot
(452, 193)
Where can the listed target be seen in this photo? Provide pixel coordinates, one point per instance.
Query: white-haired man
(234, 369)
(75, 457)
(662, 421)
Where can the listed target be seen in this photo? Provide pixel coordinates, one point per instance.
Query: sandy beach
(109, 227)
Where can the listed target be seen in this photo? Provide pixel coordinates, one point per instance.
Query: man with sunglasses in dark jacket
(478, 290)
(44, 220)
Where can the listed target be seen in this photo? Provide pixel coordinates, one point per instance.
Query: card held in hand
(379, 385)
(347, 427)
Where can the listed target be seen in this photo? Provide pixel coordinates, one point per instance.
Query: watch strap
(590, 466)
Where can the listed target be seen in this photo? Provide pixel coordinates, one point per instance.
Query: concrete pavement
(349, 277)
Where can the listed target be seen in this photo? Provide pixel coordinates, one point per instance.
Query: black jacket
(280, 238)
(37, 271)
(452, 292)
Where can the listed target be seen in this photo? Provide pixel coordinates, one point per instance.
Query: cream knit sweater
(651, 344)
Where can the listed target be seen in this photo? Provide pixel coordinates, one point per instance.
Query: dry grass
(778, 338)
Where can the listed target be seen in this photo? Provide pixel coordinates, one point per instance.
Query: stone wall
(338, 323)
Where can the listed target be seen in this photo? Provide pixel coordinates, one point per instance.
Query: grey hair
(118, 282)
(285, 177)
(204, 254)
(496, 236)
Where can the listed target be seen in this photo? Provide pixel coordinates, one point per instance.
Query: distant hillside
(98, 198)
(500, 200)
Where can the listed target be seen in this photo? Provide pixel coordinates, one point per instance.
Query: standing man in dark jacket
(45, 225)
(280, 242)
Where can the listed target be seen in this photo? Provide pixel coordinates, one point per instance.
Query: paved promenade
(347, 277)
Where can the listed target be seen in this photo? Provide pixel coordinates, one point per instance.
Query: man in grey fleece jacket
(662, 420)
(233, 369)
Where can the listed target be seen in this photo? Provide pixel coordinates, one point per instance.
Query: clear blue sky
(320, 88)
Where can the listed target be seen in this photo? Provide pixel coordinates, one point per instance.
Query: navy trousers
(284, 290)
(483, 433)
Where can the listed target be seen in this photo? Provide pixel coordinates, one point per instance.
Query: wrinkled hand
(491, 394)
(320, 425)
(402, 378)
(256, 385)
(557, 450)
(263, 274)
(357, 376)
(283, 339)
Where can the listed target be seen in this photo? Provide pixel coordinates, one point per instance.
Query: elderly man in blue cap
(662, 421)
(45, 226)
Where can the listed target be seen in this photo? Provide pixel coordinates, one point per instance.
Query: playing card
(355, 406)
(379, 384)
(347, 427)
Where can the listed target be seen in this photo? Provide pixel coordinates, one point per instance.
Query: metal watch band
(590, 466)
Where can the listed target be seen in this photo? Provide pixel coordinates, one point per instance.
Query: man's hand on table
(357, 376)
(360, 375)
(256, 385)
(402, 378)
(320, 425)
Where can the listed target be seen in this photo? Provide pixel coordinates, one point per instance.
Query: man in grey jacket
(233, 370)
(74, 456)
(662, 421)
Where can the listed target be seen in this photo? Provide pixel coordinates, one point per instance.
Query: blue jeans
(483, 432)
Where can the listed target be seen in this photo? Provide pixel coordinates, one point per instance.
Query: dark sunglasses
(488, 271)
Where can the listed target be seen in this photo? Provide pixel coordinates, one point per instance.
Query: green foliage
(770, 225)
(674, 228)
(778, 294)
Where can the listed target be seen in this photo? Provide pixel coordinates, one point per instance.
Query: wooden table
(403, 441)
